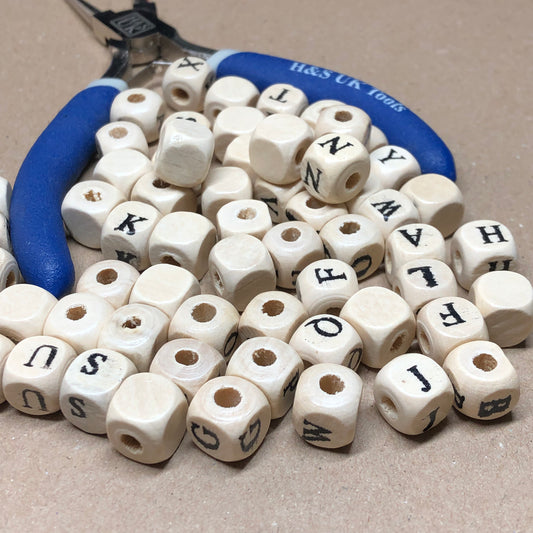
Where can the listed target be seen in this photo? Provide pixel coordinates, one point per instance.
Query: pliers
(142, 43)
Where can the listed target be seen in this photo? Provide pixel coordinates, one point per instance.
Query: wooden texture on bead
(276, 197)
(88, 385)
(282, 98)
(137, 331)
(6, 346)
(23, 310)
(208, 318)
(119, 135)
(505, 300)
(325, 285)
(328, 339)
(229, 418)
(344, 119)
(384, 321)
(304, 207)
(393, 165)
(33, 373)
(272, 314)
(188, 363)
(326, 405)
(273, 366)
(445, 323)
(356, 240)
(243, 216)
(481, 246)
(146, 418)
(240, 268)
(238, 155)
(376, 139)
(292, 246)
(486, 385)
(9, 270)
(413, 393)
(311, 113)
(6, 190)
(183, 239)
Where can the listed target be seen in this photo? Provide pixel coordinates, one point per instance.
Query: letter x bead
(276, 197)
(485, 383)
(120, 135)
(344, 119)
(481, 246)
(146, 418)
(243, 216)
(6, 346)
(393, 166)
(228, 418)
(302, 206)
(326, 405)
(9, 270)
(33, 373)
(282, 98)
(89, 383)
(413, 393)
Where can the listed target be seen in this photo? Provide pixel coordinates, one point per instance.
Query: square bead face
(393, 166)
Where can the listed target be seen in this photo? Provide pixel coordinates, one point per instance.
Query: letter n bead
(412, 393)
(326, 405)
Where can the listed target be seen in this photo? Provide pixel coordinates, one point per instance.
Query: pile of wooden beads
(229, 289)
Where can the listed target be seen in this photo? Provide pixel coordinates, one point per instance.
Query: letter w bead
(387, 209)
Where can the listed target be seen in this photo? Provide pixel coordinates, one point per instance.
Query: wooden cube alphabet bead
(9, 270)
(89, 383)
(311, 113)
(146, 418)
(228, 418)
(306, 208)
(190, 116)
(413, 393)
(481, 246)
(6, 346)
(376, 139)
(485, 383)
(33, 373)
(276, 197)
(393, 165)
(243, 216)
(119, 135)
(344, 119)
(273, 366)
(326, 405)
(238, 155)
(282, 98)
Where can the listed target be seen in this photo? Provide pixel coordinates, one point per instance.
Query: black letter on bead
(77, 403)
(355, 355)
(391, 157)
(458, 399)
(94, 365)
(279, 97)
(315, 181)
(126, 257)
(271, 202)
(363, 270)
(51, 356)
(315, 323)
(315, 433)
(291, 386)
(128, 223)
(186, 62)
(38, 395)
(414, 370)
(493, 265)
(289, 215)
(497, 232)
(254, 427)
(230, 344)
(487, 409)
(426, 274)
(387, 209)
(209, 445)
(453, 313)
(413, 239)
(334, 148)
(432, 417)
(330, 276)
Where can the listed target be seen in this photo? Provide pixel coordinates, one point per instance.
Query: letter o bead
(485, 383)
(229, 418)
(326, 405)
(413, 393)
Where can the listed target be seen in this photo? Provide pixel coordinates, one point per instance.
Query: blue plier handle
(139, 38)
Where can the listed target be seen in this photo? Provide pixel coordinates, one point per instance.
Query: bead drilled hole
(180, 95)
(118, 133)
(485, 362)
(93, 196)
(169, 260)
(131, 444)
(388, 408)
(136, 98)
(217, 280)
(76, 313)
(314, 203)
(132, 322)
(160, 184)
(264, 357)
(247, 214)
(273, 308)
(107, 276)
(291, 234)
(331, 384)
(11, 279)
(343, 116)
(349, 228)
(398, 342)
(336, 311)
(186, 357)
(352, 180)
(227, 397)
(204, 312)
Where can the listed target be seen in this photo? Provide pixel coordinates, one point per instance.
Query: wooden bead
(184, 153)
(232, 122)
(6, 190)
(164, 196)
(325, 285)
(23, 310)
(6, 346)
(137, 331)
(438, 200)
(384, 321)
(122, 168)
(229, 91)
(243, 216)
(183, 239)
(485, 383)
(356, 240)
(207, 318)
(273, 366)
(282, 98)
(185, 83)
(422, 280)
(272, 314)
(228, 418)
(292, 246)
(410, 242)
(77, 319)
(372, 185)
(505, 300)
(85, 208)
(188, 363)
(328, 339)
(238, 155)
(164, 286)
(141, 106)
(393, 165)
(126, 233)
(304, 207)
(5, 240)
(335, 167)
(111, 279)
(311, 113)
(190, 116)
(326, 405)
(389, 209)
(119, 135)
(344, 119)
(376, 139)
(146, 418)
(33, 373)
(276, 197)
(89, 383)
(481, 246)
(413, 393)
(277, 146)
(9, 270)
(240, 268)
(445, 323)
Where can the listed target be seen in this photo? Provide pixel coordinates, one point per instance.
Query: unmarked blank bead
(282, 98)
(229, 91)
(243, 216)
(119, 135)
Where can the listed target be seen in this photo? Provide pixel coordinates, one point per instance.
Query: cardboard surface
(465, 67)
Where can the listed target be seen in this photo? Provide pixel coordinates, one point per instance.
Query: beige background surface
(466, 68)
